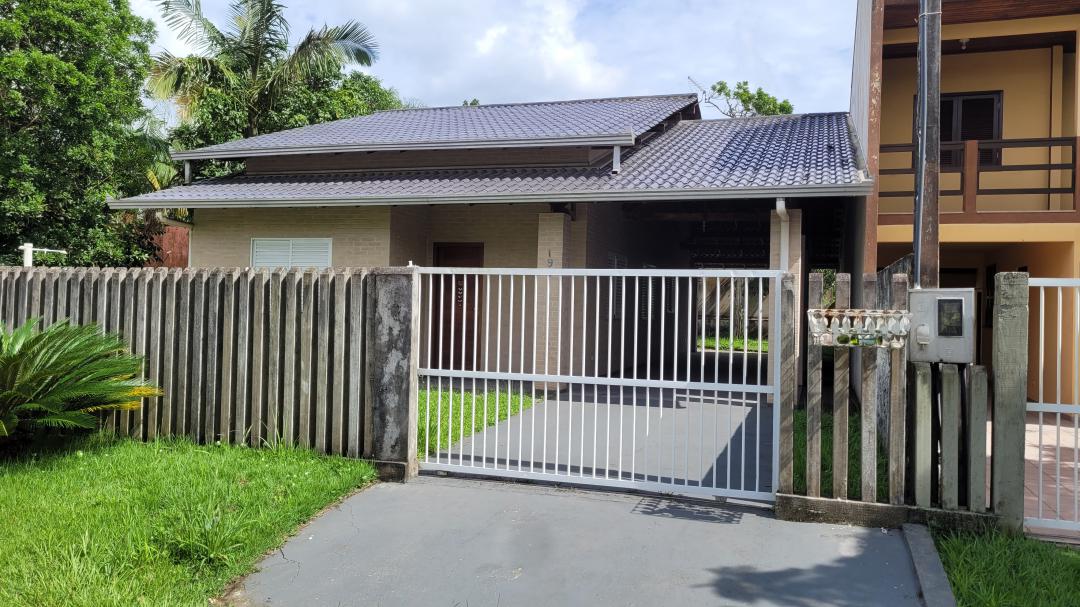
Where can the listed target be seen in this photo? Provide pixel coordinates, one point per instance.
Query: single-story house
(620, 182)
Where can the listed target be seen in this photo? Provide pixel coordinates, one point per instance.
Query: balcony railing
(998, 181)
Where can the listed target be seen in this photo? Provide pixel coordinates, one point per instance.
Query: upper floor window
(967, 116)
(290, 252)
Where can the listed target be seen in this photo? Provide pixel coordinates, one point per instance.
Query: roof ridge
(766, 117)
(551, 102)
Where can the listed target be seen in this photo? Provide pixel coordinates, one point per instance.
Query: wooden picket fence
(243, 355)
(931, 431)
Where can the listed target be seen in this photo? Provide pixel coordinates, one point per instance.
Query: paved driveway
(446, 541)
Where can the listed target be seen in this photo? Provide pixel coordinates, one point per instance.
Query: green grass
(1001, 570)
(117, 522)
(854, 461)
(726, 344)
(447, 431)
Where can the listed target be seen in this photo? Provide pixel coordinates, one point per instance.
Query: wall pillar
(1010, 397)
(392, 340)
(795, 268)
(552, 252)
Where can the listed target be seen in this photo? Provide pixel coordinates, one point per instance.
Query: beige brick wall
(508, 231)
(410, 235)
(222, 237)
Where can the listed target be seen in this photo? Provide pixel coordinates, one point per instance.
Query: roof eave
(627, 138)
(861, 188)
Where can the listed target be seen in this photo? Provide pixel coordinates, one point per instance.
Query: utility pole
(925, 239)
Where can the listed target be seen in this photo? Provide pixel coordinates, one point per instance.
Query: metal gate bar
(602, 377)
(1054, 408)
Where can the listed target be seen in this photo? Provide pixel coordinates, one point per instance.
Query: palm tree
(251, 55)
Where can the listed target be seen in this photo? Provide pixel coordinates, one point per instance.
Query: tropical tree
(739, 101)
(64, 375)
(73, 72)
(250, 58)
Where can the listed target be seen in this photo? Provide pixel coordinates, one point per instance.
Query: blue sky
(438, 52)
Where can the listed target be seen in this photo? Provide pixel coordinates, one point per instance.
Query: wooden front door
(460, 294)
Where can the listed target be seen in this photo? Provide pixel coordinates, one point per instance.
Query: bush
(62, 376)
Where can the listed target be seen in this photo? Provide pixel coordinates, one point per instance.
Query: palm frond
(327, 48)
(186, 17)
(183, 79)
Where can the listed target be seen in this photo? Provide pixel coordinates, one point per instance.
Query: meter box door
(942, 325)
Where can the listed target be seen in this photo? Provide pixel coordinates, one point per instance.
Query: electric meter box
(942, 325)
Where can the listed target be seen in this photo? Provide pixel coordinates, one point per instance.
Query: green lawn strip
(474, 415)
(1001, 570)
(727, 344)
(118, 522)
(854, 459)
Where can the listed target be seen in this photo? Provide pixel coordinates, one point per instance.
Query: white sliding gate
(646, 379)
(1052, 437)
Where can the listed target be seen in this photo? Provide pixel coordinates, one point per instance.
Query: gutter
(861, 188)
(609, 139)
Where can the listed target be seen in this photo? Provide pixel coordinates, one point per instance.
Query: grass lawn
(117, 522)
(447, 431)
(999, 570)
(726, 344)
(854, 463)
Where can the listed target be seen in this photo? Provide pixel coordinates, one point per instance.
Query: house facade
(627, 182)
(1009, 119)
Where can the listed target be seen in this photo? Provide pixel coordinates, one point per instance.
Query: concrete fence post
(1010, 360)
(392, 340)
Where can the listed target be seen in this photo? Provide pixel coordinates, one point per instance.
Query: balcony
(989, 181)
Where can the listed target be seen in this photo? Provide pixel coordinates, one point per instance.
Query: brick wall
(222, 237)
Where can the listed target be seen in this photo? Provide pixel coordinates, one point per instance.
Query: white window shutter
(291, 252)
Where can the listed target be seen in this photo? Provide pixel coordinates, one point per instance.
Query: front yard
(117, 522)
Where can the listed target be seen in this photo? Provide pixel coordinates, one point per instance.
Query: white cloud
(440, 52)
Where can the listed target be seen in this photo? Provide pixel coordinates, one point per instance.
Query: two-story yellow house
(1010, 81)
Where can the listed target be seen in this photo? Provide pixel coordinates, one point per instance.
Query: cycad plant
(61, 376)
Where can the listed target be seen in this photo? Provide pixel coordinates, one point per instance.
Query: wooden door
(460, 294)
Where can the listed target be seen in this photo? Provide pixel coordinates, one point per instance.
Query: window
(967, 116)
(290, 252)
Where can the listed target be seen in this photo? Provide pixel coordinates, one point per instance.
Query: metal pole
(27, 254)
(925, 239)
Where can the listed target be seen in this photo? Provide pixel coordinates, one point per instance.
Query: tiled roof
(584, 122)
(747, 157)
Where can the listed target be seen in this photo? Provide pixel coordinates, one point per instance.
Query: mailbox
(942, 325)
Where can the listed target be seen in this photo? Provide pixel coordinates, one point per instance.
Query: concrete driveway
(448, 541)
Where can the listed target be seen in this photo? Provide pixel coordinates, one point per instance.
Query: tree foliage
(249, 63)
(739, 101)
(72, 73)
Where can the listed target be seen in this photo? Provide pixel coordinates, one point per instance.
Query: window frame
(998, 97)
(290, 240)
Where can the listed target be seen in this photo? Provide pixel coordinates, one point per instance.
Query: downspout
(785, 233)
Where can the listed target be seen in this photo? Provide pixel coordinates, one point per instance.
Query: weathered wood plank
(198, 346)
(307, 307)
(153, 354)
(141, 303)
(129, 297)
(1010, 364)
(34, 293)
(290, 289)
(116, 290)
(74, 293)
(258, 355)
(273, 358)
(898, 401)
(788, 385)
(243, 370)
(168, 351)
(183, 355)
(86, 308)
(813, 397)
(322, 345)
(211, 399)
(976, 446)
(868, 457)
(228, 355)
(355, 373)
(339, 335)
(841, 397)
(923, 440)
(48, 298)
(950, 437)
